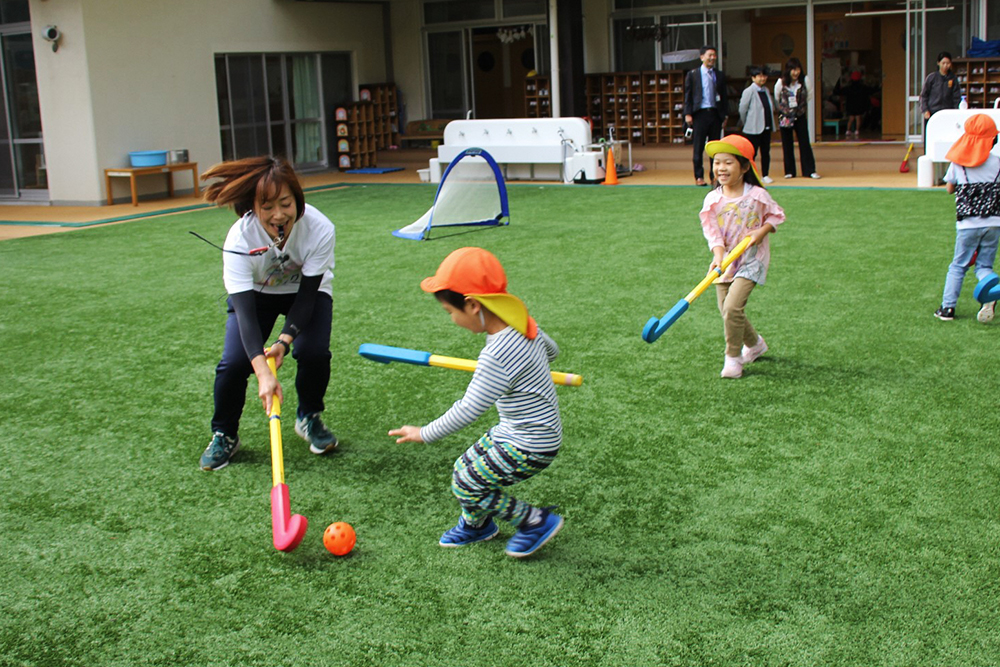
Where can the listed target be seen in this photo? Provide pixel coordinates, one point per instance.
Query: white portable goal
(471, 193)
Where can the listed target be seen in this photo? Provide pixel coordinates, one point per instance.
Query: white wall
(408, 59)
(141, 76)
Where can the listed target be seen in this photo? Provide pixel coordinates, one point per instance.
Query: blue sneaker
(529, 539)
(216, 456)
(463, 533)
(312, 429)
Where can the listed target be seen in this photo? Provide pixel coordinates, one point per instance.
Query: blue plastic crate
(147, 158)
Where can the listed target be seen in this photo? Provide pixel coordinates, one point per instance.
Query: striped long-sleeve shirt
(513, 372)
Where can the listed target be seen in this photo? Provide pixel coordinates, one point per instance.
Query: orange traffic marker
(610, 173)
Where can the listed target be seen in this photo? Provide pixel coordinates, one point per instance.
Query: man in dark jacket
(705, 106)
(940, 89)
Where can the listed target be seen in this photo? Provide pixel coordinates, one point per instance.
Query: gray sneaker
(219, 451)
(312, 429)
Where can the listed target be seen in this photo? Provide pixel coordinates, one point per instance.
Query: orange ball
(339, 538)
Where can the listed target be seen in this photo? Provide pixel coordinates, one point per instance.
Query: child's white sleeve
(951, 176)
(488, 384)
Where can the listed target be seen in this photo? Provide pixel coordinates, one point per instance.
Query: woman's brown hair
(252, 180)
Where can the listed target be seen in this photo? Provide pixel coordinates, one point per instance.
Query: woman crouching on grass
(277, 260)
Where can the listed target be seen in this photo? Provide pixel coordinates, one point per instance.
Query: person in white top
(278, 259)
(792, 94)
(974, 178)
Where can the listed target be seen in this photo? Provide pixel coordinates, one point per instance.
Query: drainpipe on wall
(554, 55)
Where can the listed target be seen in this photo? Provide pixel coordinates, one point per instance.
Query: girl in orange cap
(974, 177)
(738, 206)
(513, 373)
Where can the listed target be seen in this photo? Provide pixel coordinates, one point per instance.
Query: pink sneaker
(732, 368)
(751, 353)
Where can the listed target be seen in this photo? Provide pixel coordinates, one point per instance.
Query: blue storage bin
(147, 158)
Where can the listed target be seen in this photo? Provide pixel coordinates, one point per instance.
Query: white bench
(943, 130)
(548, 149)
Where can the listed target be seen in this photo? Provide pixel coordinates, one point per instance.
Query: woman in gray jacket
(757, 116)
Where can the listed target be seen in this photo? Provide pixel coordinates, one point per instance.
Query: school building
(86, 82)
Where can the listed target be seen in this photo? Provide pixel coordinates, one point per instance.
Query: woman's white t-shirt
(307, 252)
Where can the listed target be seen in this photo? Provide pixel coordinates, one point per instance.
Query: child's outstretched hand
(407, 433)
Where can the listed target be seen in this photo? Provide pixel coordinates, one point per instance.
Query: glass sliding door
(22, 156)
(448, 70)
(248, 108)
(306, 107)
(273, 104)
(23, 171)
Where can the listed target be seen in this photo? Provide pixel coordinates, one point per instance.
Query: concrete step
(839, 157)
(831, 157)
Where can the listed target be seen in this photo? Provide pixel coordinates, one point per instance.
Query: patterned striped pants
(482, 473)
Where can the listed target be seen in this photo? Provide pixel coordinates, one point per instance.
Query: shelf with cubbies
(663, 107)
(385, 112)
(537, 97)
(356, 137)
(979, 80)
(640, 107)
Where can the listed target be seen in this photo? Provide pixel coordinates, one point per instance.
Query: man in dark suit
(705, 106)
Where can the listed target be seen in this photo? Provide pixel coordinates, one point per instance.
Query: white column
(815, 75)
(554, 54)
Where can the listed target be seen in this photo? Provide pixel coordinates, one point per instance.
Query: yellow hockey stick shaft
(454, 363)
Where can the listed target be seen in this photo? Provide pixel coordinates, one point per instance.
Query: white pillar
(815, 76)
(925, 172)
(554, 54)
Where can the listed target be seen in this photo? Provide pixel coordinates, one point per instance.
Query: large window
(279, 104)
(22, 158)
(660, 42)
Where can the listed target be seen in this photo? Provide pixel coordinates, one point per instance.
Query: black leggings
(311, 349)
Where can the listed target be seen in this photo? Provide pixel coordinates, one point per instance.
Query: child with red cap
(738, 206)
(974, 178)
(512, 372)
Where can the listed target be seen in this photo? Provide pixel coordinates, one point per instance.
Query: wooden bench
(424, 130)
(133, 172)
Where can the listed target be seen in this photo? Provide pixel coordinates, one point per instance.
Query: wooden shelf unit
(385, 112)
(642, 107)
(356, 136)
(979, 80)
(663, 107)
(537, 97)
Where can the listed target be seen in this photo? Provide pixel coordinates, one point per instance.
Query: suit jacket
(693, 93)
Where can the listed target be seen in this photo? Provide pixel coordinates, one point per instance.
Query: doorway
(501, 61)
(483, 70)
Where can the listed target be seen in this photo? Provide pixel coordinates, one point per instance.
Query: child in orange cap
(513, 373)
(738, 206)
(974, 178)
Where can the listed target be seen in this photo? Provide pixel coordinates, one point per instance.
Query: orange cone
(610, 173)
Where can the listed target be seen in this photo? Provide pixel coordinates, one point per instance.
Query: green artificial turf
(836, 506)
